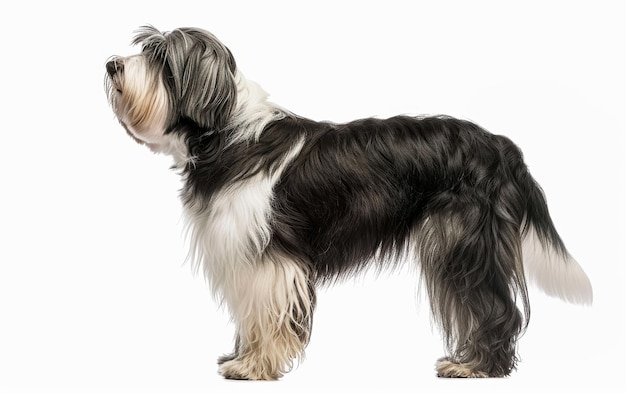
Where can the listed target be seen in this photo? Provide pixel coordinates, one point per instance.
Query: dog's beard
(139, 100)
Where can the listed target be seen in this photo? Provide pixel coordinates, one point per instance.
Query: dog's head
(181, 80)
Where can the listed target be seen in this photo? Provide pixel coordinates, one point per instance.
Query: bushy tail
(547, 262)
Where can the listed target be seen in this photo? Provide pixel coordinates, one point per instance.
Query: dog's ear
(202, 78)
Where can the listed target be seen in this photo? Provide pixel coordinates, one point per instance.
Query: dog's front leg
(272, 305)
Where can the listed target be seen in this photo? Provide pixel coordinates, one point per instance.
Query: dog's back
(365, 189)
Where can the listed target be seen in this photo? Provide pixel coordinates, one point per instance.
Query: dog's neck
(251, 114)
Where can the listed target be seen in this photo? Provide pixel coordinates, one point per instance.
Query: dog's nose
(114, 66)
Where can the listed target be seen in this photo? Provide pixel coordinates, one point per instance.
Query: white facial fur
(141, 103)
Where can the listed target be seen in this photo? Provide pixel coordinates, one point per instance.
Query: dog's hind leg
(470, 256)
(272, 308)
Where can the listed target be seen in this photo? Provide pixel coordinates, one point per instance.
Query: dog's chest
(234, 229)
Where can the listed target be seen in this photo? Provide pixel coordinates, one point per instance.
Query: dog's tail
(547, 263)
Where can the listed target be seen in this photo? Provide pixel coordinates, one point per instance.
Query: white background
(94, 292)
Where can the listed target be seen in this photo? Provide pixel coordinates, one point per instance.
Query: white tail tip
(554, 273)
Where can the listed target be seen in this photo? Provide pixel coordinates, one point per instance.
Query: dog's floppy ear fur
(203, 78)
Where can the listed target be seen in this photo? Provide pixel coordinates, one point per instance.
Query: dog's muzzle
(114, 66)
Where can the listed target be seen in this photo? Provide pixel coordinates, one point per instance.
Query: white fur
(267, 307)
(233, 232)
(555, 274)
(252, 111)
(175, 145)
(143, 104)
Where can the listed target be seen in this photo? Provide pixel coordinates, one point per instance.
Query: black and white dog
(277, 204)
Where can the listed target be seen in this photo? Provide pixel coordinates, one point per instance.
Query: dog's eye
(119, 90)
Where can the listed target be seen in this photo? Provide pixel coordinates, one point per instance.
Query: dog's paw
(242, 369)
(231, 369)
(448, 368)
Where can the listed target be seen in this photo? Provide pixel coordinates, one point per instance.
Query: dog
(277, 204)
